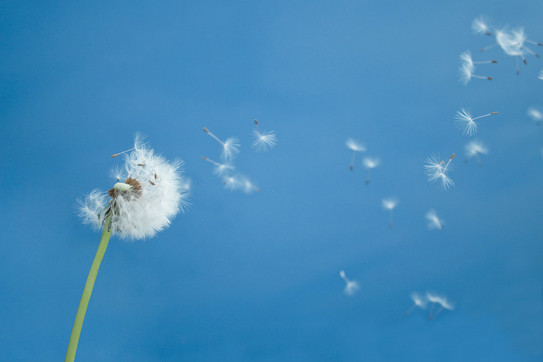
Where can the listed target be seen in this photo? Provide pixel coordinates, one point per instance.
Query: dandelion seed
(419, 301)
(475, 149)
(536, 115)
(437, 170)
(247, 186)
(467, 60)
(480, 26)
(230, 147)
(263, 140)
(139, 207)
(466, 73)
(370, 163)
(351, 286)
(219, 169)
(354, 146)
(438, 300)
(232, 182)
(390, 204)
(434, 222)
(466, 122)
(512, 43)
(540, 75)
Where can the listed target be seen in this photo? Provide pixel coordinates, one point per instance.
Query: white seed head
(438, 170)
(354, 145)
(434, 222)
(466, 122)
(466, 73)
(371, 162)
(230, 148)
(145, 203)
(511, 42)
(351, 286)
(535, 114)
(264, 140)
(467, 60)
(480, 26)
(419, 300)
(390, 203)
(475, 148)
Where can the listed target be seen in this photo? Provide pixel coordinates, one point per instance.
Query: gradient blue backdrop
(255, 277)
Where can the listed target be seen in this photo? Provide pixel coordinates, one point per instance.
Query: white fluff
(141, 214)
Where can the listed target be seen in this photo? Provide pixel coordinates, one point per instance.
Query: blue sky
(256, 277)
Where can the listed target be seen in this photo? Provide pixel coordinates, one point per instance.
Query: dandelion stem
(87, 291)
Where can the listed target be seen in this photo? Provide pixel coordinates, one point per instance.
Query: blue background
(256, 277)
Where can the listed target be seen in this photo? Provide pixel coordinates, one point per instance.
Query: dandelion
(512, 43)
(354, 146)
(434, 222)
(231, 182)
(263, 140)
(419, 301)
(219, 169)
(370, 163)
(466, 73)
(480, 26)
(467, 60)
(230, 147)
(390, 204)
(475, 149)
(136, 208)
(351, 286)
(247, 186)
(466, 122)
(540, 75)
(437, 170)
(536, 115)
(436, 299)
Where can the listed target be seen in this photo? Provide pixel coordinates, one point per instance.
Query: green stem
(83, 304)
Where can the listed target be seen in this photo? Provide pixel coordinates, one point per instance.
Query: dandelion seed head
(351, 286)
(467, 60)
(480, 26)
(466, 73)
(511, 42)
(247, 186)
(475, 148)
(535, 114)
(434, 222)
(264, 140)
(466, 122)
(371, 162)
(230, 148)
(444, 302)
(419, 300)
(354, 145)
(145, 202)
(390, 203)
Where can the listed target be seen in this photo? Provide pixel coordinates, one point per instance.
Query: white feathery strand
(351, 286)
(466, 122)
(263, 140)
(419, 301)
(355, 146)
(370, 163)
(230, 147)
